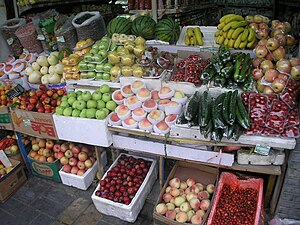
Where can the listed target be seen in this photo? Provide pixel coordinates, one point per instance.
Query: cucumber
(229, 131)
(242, 115)
(200, 110)
(216, 135)
(207, 129)
(237, 131)
(225, 109)
(232, 105)
(192, 107)
(205, 110)
(181, 119)
(217, 112)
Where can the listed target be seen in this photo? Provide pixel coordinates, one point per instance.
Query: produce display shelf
(91, 83)
(246, 5)
(245, 140)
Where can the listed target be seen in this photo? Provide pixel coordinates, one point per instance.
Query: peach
(185, 207)
(188, 190)
(210, 188)
(179, 200)
(203, 195)
(164, 102)
(168, 189)
(131, 100)
(177, 210)
(195, 203)
(137, 84)
(174, 192)
(165, 90)
(200, 213)
(129, 121)
(154, 95)
(143, 92)
(181, 217)
(118, 96)
(114, 117)
(162, 125)
(191, 195)
(171, 118)
(190, 214)
(195, 188)
(155, 114)
(190, 182)
(181, 192)
(42, 158)
(172, 103)
(139, 112)
(167, 197)
(171, 214)
(150, 103)
(127, 89)
(170, 206)
(122, 109)
(161, 208)
(172, 200)
(145, 124)
(204, 204)
(200, 186)
(175, 182)
(179, 94)
(196, 219)
(184, 196)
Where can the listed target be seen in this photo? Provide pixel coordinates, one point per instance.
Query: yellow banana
(226, 42)
(251, 35)
(217, 33)
(236, 33)
(236, 24)
(250, 44)
(221, 40)
(198, 36)
(230, 32)
(243, 44)
(224, 34)
(187, 40)
(228, 26)
(234, 18)
(237, 41)
(245, 34)
(217, 39)
(221, 32)
(223, 18)
(190, 32)
(231, 43)
(221, 25)
(192, 41)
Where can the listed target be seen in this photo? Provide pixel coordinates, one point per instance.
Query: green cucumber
(225, 109)
(207, 129)
(205, 110)
(192, 107)
(230, 131)
(237, 131)
(231, 114)
(217, 112)
(242, 115)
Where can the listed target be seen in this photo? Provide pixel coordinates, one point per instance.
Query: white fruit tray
(208, 32)
(127, 212)
(274, 158)
(80, 182)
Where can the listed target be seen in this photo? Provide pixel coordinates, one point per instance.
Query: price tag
(60, 39)
(262, 149)
(16, 91)
(27, 123)
(41, 37)
(10, 41)
(5, 161)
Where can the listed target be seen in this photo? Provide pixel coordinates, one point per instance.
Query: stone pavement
(43, 202)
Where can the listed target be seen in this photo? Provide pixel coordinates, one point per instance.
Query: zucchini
(192, 107)
(242, 115)
(225, 109)
(231, 114)
(217, 112)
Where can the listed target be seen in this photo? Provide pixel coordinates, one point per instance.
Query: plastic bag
(8, 30)
(89, 25)
(65, 32)
(277, 221)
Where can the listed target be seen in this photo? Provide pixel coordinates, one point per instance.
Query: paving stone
(112, 220)
(27, 215)
(12, 205)
(147, 210)
(147, 222)
(6, 218)
(57, 194)
(102, 223)
(57, 223)
(77, 207)
(48, 206)
(90, 216)
(42, 219)
(153, 196)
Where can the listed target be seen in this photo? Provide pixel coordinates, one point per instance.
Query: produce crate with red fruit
(237, 201)
(187, 195)
(124, 188)
(42, 160)
(11, 178)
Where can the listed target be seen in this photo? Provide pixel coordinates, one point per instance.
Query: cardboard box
(34, 123)
(5, 120)
(12, 181)
(183, 170)
(80, 182)
(131, 211)
(83, 130)
(48, 170)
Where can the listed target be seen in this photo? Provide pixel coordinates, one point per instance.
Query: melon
(167, 30)
(143, 26)
(119, 25)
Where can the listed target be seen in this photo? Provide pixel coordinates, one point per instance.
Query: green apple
(106, 97)
(100, 67)
(96, 95)
(91, 74)
(103, 46)
(91, 66)
(103, 53)
(71, 94)
(81, 105)
(78, 93)
(88, 57)
(83, 113)
(64, 104)
(106, 76)
(71, 100)
(97, 58)
(104, 88)
(67, 111)
(76, 113)
(107, 67)
(90, 113)
(79, 98)
(111, 105)
(99, 76)
(59, 110)
(106, 111)
(91, 104)
(113, 47)
(100, 104)
(100, 114)
(64, 98)
(82, 65)
(105, 39)
(86, 95)
(74, 105)
(94, 51)
(120, 48)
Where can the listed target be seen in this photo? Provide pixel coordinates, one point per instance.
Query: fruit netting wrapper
(89, 25)
(232, 180)
(65, 33)
(290, 93)
(276, 116)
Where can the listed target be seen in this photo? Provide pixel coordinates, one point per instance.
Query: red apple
(283, 66)
(67, 168)
(262, 33)
(75, 150)
(256, 62)
(82, 156)
(257, 73)
(266, 65)
(254, 26)
(283, 76)
(290, 40)
(281, 39)
(295, 72)
(49, 144)
(263, 26)
(73, 161)
(268, 90)
(295, 61)
(271, 75)
(259, 86)
(279, 53)
(278, 85)
(269, 56)
(261, 51)
(64, 147)
(262, 42)
(272, 44)
(56, 148)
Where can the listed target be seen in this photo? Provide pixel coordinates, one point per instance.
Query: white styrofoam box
(173, 151)
(151, 84)
(209, 39)
(127, 212)
(274, 158)
(80, 182)
(83, 130)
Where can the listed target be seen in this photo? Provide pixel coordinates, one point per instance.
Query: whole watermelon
(119, 25)
(143, 26)
(167, 30)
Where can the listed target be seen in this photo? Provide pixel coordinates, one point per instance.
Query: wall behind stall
(4, 51)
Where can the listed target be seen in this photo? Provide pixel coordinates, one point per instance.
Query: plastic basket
(28, 38)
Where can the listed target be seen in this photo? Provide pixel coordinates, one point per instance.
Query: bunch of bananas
(193, 36)
(233, 32)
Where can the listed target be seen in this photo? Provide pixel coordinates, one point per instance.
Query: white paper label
(41, 37)
(262, 149)
(5, 161)
(60, 39)
(10, 41)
